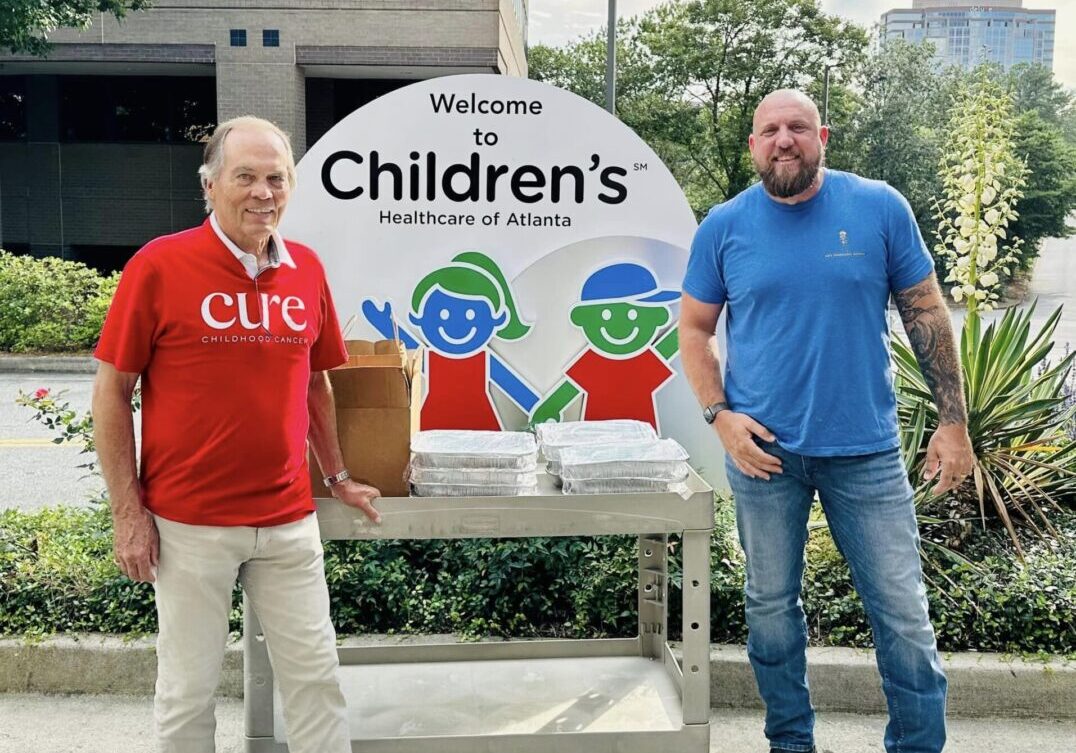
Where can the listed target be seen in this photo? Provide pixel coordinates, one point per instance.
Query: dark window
(353, 93)
(105, 259)
(12, 108)
(270, 37)
(162, 109)
(239, 37)
(330, 100)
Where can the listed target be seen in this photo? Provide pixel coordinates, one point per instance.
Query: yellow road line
(29, 443)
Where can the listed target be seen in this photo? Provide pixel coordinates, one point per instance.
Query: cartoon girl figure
(458, 309)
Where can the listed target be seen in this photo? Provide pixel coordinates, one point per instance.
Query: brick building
(99, 141)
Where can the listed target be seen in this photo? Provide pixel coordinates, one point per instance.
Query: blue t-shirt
(806, 290)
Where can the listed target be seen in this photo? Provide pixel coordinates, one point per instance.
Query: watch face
(711, 411)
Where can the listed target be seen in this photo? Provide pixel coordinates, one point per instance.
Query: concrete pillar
(263, 81)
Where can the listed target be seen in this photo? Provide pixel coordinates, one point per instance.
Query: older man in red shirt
(231, 330)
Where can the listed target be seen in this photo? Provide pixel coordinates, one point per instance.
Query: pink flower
(41, 393)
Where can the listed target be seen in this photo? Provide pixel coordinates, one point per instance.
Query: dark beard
(797, 183)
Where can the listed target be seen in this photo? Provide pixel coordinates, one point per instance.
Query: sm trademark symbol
(640, 166)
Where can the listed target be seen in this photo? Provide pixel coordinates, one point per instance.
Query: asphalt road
(1053, 285)
(34, 472)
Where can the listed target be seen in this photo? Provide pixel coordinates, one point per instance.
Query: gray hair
(213, 156)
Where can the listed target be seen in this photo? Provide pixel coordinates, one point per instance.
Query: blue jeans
(868, 504)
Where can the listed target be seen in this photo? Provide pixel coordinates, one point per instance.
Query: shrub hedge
(56, 575)
(51, 304)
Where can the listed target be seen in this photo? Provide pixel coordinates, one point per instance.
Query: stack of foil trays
(610, 457)
(463, 463)
(554, 439)
(659, 465)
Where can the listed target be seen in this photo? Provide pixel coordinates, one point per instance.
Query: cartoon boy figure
(458, 309)
(620, 311)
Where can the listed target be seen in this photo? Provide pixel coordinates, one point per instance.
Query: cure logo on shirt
(222, 310)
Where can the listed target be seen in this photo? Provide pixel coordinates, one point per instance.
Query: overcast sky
(558, 21)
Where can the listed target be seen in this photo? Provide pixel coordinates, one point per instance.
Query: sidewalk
(12, 363)
(842, 679)
(123, 724)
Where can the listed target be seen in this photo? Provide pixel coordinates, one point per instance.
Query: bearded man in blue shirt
(804, 264)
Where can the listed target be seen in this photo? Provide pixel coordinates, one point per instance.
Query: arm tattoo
(926, 320)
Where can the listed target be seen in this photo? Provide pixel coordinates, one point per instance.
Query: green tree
(845, 103)
(24, 24)
(896, 134)
(1050, 194)
(578, 67)
(1045, 138)
(664, 122)
(1033, 87)
(1068, 125)
(721, 57)
(690, 74)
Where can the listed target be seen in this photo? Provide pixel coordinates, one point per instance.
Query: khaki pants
(282, 572)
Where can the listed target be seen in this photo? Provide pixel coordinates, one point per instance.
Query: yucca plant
(1017, 407)
(982, 178)
(1017, 413)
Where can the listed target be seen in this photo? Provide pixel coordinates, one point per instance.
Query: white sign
(531, 242)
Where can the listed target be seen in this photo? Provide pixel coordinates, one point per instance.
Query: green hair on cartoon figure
(459, 308)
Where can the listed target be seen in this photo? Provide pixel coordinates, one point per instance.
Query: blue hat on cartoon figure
(625, 282)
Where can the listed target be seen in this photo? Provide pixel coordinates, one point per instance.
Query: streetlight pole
(610, 61)
(825, 97)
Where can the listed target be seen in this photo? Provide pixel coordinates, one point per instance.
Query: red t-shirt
(458, 393)
(619, 387)
(225, 363)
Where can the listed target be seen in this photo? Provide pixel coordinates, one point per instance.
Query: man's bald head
(788, 144)
(784, 99)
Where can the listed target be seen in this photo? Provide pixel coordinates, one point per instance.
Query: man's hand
(135, 545)
(736, 431)
(950, 457)
(361, 496)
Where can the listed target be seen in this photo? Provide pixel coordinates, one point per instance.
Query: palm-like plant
(1017, 409)
(1017, 413)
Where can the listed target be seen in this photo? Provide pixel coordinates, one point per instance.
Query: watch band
(711, 411)
(331, 481)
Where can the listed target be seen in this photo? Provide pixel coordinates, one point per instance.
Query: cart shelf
(618, 695)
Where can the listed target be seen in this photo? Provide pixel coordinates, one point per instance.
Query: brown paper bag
(378, 394)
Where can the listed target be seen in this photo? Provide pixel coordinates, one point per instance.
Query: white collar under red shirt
(278, 251)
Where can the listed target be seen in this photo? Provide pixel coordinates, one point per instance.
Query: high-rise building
(100, 140)
(967, 34)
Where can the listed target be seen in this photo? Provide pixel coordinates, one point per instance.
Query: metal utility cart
(619, 695)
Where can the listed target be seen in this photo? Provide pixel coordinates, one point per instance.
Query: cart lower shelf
(610, 695)
(607, 703)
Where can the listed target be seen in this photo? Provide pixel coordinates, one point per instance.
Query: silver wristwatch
(711, 411)
(331, 481)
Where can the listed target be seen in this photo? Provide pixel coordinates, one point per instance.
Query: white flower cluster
(982, 178)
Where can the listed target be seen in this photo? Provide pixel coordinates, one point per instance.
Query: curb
(841, 679)
(846, 680)
(15, 364)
